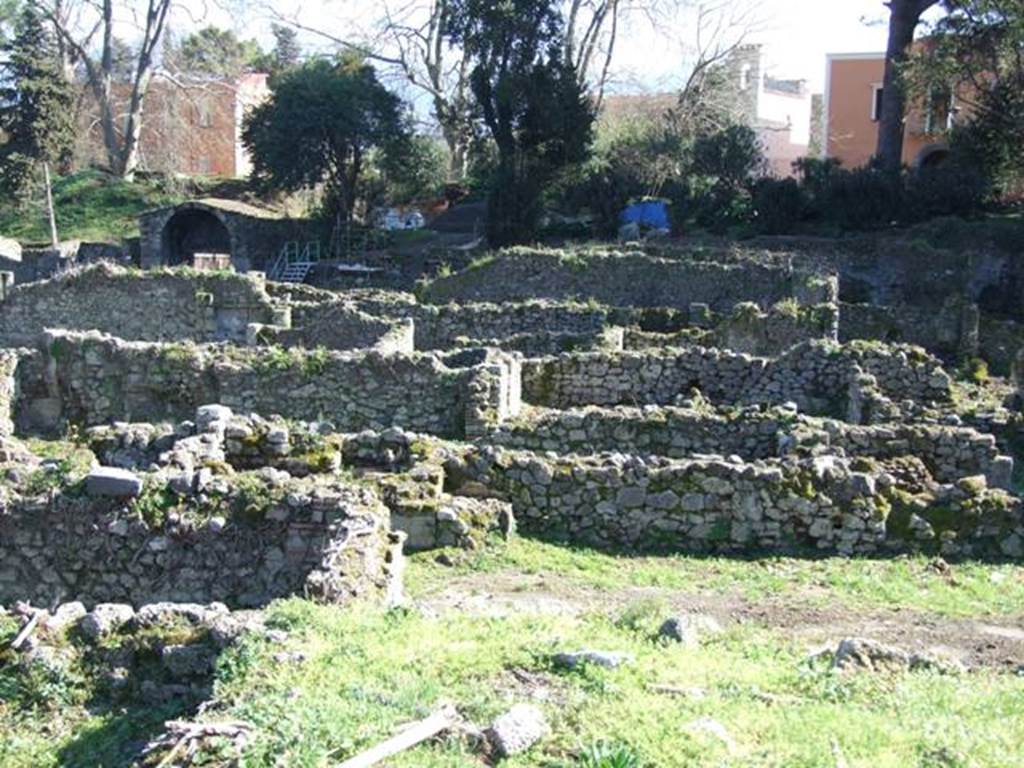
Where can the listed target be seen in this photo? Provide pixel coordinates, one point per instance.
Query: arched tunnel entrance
(191, 231)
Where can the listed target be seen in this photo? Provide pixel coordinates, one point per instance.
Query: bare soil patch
(980, 642)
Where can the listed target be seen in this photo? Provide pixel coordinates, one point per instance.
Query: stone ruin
(247, 440)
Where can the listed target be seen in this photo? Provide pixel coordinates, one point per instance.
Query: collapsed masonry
(256, 440)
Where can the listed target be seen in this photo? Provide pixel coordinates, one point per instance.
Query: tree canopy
(36, 104)
(319, 126)
(530, 101)
(216, 51)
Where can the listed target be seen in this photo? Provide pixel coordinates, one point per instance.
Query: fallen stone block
(517, 730)
(606, 659)
(111, 481)
(861, 653)
(689, 628)
(104, 619)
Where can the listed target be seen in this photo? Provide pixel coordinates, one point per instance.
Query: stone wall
(9, 359)
(334, 545)
(753, 433)
(747, 328)
(999, 342)
(92, 378)
(943, 331)
(444, 326)
(631, 279)
(339, 326)
(815, 375)
(254, 237)
(820, 503)
(145, 306)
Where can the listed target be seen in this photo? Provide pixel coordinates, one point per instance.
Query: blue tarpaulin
(647, 213)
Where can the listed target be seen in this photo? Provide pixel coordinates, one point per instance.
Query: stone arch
(931, 156)
(195, 229)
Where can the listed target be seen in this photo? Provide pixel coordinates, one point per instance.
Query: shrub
(717, 207)
(603, 754)
(732, 157)
(778, 205)
(975, 369)
(863, 198)
(953, 188)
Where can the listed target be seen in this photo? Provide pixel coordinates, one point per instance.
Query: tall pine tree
(37, 104)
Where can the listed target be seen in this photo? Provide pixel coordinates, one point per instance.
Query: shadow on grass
(118, 739)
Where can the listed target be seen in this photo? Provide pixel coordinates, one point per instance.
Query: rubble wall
(335, 546)
(816, 376)
(92, 378)
(950, 453)
(629, 279)
(628, 503)
(159, 305)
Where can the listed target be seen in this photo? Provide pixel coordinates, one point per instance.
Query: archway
(193, 230)
(931, 156)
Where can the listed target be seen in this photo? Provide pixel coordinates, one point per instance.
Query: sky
(796, 34)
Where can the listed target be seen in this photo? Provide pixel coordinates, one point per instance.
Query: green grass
(365, 671)
(976, 589)
(89, 206)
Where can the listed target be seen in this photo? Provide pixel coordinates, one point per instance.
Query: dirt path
(996, 643)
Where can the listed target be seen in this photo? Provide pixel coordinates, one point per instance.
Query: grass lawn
(89, 206)
(361, 672)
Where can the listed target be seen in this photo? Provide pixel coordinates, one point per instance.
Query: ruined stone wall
(340, 326)
(720, 505)
(940, 330)
(631, 279)
(949, 453)
(9, 359)
(335, 545)
(814, 375)
(91, 378)
(747, 328)
(442, 327)
(146, 306)
(999, 342)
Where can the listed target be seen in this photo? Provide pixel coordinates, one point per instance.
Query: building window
(204, 118)
(745, 78)
(203, 165)
(877, 92)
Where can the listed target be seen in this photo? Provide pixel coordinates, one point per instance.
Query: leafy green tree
(36, 106)
(529, 99)
(417, 174)
(9, 10)
(320, 125)
(723, 168)
(217, 51)
(287, 53)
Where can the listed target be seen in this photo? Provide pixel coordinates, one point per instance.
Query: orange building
(191, 125)
(853, 100)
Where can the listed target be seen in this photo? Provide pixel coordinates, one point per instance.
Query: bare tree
(409, 38)
(904, 16)
(86, 31)
(710, 98)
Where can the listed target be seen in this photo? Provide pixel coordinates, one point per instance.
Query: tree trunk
(903, 20)
(129, 160)
(54, 240)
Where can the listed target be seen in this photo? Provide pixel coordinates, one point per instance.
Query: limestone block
(111, 481)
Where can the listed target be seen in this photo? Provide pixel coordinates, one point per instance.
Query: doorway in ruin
(194, 230)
